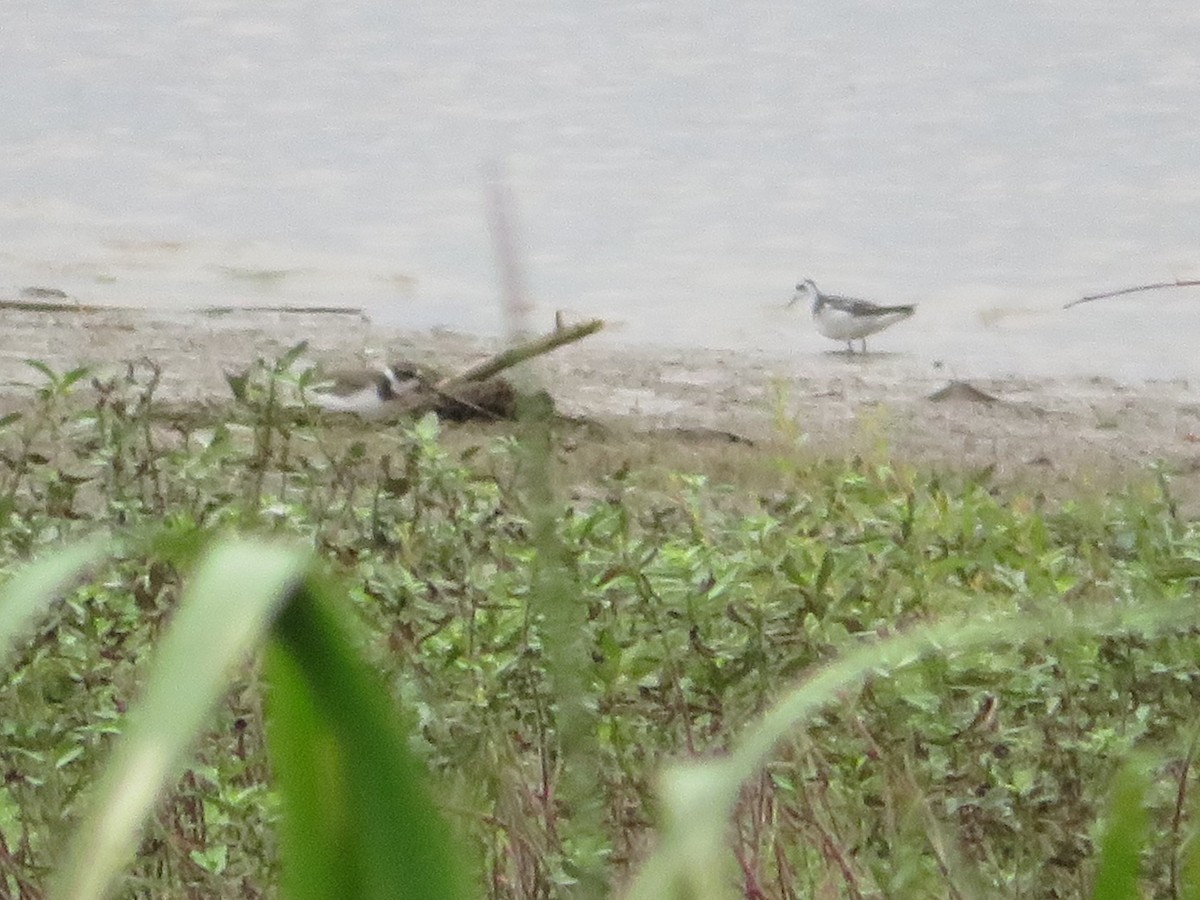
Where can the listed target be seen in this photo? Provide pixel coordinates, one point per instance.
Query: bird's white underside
(366, 402)
(358, 392)
(841, 325)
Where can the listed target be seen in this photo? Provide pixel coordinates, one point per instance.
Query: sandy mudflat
(1077, 430)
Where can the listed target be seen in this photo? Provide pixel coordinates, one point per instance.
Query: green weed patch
(862, 681)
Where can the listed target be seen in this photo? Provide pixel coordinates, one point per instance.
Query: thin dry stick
(1177, 818)
(552, 592)
(289, 310)
(1157, 286)
(50, 305)
(55, 306)
(503, 229)
(833, 853)
(502, 222)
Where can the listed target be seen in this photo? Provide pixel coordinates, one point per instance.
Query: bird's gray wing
(864, 308)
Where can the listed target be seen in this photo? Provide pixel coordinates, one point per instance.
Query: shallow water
(676, 168)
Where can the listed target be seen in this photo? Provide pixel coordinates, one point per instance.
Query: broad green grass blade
(1124, 836)
(690, 863)
(1188, 861)
(1190, 867)
(688, 836)
(26, 596)
(314, 831)
(354, 794)
(224, 612)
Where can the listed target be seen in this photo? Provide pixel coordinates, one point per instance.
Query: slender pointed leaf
(40, 366)
(290, 356)
(73, 376)
(237, 382)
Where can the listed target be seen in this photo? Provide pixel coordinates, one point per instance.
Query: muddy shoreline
(1071, 430)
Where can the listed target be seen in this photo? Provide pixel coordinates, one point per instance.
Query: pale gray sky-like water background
(676, 166)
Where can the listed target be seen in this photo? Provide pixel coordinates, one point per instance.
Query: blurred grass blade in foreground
(687, 837)
(223, 614)
(1124, 836)
(359, 821)
(230, 602)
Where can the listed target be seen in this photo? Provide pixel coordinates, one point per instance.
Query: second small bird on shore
(369, 393)
(848, 318)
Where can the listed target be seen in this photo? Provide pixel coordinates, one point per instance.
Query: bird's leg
(864, 346)
(850, 348)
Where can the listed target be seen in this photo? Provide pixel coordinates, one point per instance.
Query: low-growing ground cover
(698, 583)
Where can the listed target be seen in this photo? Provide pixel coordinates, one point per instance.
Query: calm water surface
(676, 166)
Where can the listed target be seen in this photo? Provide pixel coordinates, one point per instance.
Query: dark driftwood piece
(702, 435)
(1157, 286)
(494, 398)
(477, 391)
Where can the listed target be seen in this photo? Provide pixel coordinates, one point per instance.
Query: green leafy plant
(357, 820)
(858, 679)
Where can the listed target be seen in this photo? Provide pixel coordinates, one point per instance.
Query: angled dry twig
(1132, 290)
(486, 368)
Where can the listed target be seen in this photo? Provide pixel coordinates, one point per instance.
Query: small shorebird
(846, 318)
(370, 393)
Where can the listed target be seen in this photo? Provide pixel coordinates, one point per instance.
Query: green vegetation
(824, 679)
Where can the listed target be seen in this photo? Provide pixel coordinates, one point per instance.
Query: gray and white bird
(847, 318)
(369, 393)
